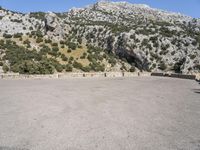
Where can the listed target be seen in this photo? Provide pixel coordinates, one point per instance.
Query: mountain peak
(120, 4)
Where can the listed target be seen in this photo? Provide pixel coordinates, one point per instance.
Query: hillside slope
(106, 36)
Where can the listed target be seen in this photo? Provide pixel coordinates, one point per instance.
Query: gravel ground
(141, 113)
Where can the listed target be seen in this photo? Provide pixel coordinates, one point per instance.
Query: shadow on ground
(196, 91)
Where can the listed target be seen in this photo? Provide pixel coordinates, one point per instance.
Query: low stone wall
(97, 74)
(114, 74)
(182, 76)
(144, 74)
(174, 75)
(75, 75)
(19, 76)
(80, 75)
(104, 74)
(157, 74)
(130, 74)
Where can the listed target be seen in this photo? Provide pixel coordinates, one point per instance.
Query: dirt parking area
(139, 113)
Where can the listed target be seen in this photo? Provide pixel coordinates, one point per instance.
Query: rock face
(53, 26)
(51, 22)
(13, 23)
(147, 38)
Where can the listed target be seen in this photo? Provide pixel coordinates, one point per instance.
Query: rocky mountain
(106, 36)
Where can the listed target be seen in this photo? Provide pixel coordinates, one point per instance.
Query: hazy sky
(188, 7)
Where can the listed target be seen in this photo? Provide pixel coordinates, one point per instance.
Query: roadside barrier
(175, 75)
(97, 74)
(74, 74)
(182, 76)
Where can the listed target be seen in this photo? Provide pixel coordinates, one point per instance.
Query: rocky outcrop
(53, 26)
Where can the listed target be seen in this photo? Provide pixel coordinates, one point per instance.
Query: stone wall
(174, 75)
(72, 75)
(97, 75)
(20, 76)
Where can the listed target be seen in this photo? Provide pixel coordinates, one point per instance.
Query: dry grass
(76, 54)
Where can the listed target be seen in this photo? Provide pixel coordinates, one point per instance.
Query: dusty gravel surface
(141, 113)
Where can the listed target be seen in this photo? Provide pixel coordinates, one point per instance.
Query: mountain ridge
(106, 36)
(128, 3)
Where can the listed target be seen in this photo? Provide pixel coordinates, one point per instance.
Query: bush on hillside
(68, 68)
(5, 68)
(7, 36)
(162, 66)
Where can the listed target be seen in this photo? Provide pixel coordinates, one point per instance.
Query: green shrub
(95, 66)
(197, 67)
(166, 32)
(38, 33)
(132, 36)
(55, 44)
(192, 56)
(72, 46)
(45, 67)
(149, 46)
(16, 20)
(144, 42)
(26, 62)
(71, 58)
(27, 42)
(1, 42)
(55, 49)
(156, 44)
(62, 42)
(86, 69)
(173, 53)
(64, 58)
(83, 56)
(77, 65)
(27, 67)
(18, 35)
(47, 41)
(39, 40)
(132, 69)
(38, 15)
(165, 47)
(154, 65)
(31, 28)
(53, 53)
(194, 43)
(68, 68)
(112, 61)
(153, 39)
(59, 67)
(162, 66)
(44, 50)
(5, 68)
(79, 40)
(7, 36)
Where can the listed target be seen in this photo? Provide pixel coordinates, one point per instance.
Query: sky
(187, 7)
